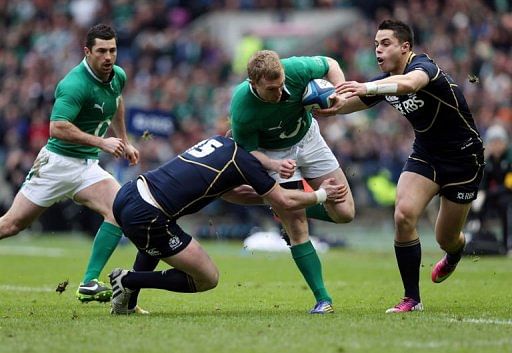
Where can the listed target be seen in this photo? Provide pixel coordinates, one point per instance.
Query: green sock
(307, 261)
(104, 244)
(318, 212)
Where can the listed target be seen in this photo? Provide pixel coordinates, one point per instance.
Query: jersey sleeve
(317, 66)
(370, 101)
(305, 68)
(244, 129)
(425, 65)
(68, 102)
(253, 171)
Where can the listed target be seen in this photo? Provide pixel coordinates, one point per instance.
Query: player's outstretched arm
(342, 106)
(243, 195)
(393, 85)
(286, 199)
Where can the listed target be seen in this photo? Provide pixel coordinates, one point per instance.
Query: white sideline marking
(31, 251)
(451, 343)
(483, 321)
(8, 287)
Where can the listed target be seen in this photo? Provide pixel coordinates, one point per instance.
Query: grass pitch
(260, 304)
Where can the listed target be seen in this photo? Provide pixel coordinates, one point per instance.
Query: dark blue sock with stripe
(408, 257)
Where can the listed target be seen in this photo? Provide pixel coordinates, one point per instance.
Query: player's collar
(284, 97)
(407, 62)
(409, 59)
(86, 64)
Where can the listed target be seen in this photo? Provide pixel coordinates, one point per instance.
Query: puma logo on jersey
(284, 135)
(100, 107)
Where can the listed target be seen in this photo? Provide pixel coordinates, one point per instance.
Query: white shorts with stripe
(312, 155)
(54, 177)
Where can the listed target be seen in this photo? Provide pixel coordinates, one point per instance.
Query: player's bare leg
(343, 212)
(304, 254)
(192, 271)
(20, 215)
(414, 192)
(450, 221)
(99, 197)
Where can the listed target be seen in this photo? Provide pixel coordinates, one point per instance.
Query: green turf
(260, 305)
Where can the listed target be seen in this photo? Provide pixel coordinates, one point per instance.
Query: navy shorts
(150, 230)
(459, 177)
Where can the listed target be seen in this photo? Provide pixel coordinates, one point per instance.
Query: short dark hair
(400, 30)
(101, 31)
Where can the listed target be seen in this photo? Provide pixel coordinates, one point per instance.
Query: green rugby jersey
(89, 104)
(256, 123)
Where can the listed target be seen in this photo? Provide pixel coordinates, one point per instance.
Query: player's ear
(406, 46)
(87, 51)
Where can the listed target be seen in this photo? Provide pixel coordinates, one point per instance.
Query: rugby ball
(316, 95)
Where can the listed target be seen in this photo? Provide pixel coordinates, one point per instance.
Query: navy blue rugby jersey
(438, 113)
(190, 181)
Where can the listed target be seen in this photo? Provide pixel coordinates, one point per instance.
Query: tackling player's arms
(243, 195)
(288, 199)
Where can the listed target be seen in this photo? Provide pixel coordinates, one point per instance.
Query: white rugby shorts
(312, 155)
(54, 177)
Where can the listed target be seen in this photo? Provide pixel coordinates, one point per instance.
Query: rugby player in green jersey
(87, 101)
(269, 120)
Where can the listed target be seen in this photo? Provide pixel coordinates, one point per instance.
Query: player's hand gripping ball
(316, 95)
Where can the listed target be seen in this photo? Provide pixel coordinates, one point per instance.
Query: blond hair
(264, 64)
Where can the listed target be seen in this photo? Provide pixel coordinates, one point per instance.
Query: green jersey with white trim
(88, 103)
(256, 123)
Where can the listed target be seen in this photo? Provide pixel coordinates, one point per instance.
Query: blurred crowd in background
(189, 75)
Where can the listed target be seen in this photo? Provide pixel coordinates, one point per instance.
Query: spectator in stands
(495, 194)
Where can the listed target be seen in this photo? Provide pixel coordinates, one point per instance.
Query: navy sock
(143, 262)
(408, 257)
(172, 280)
